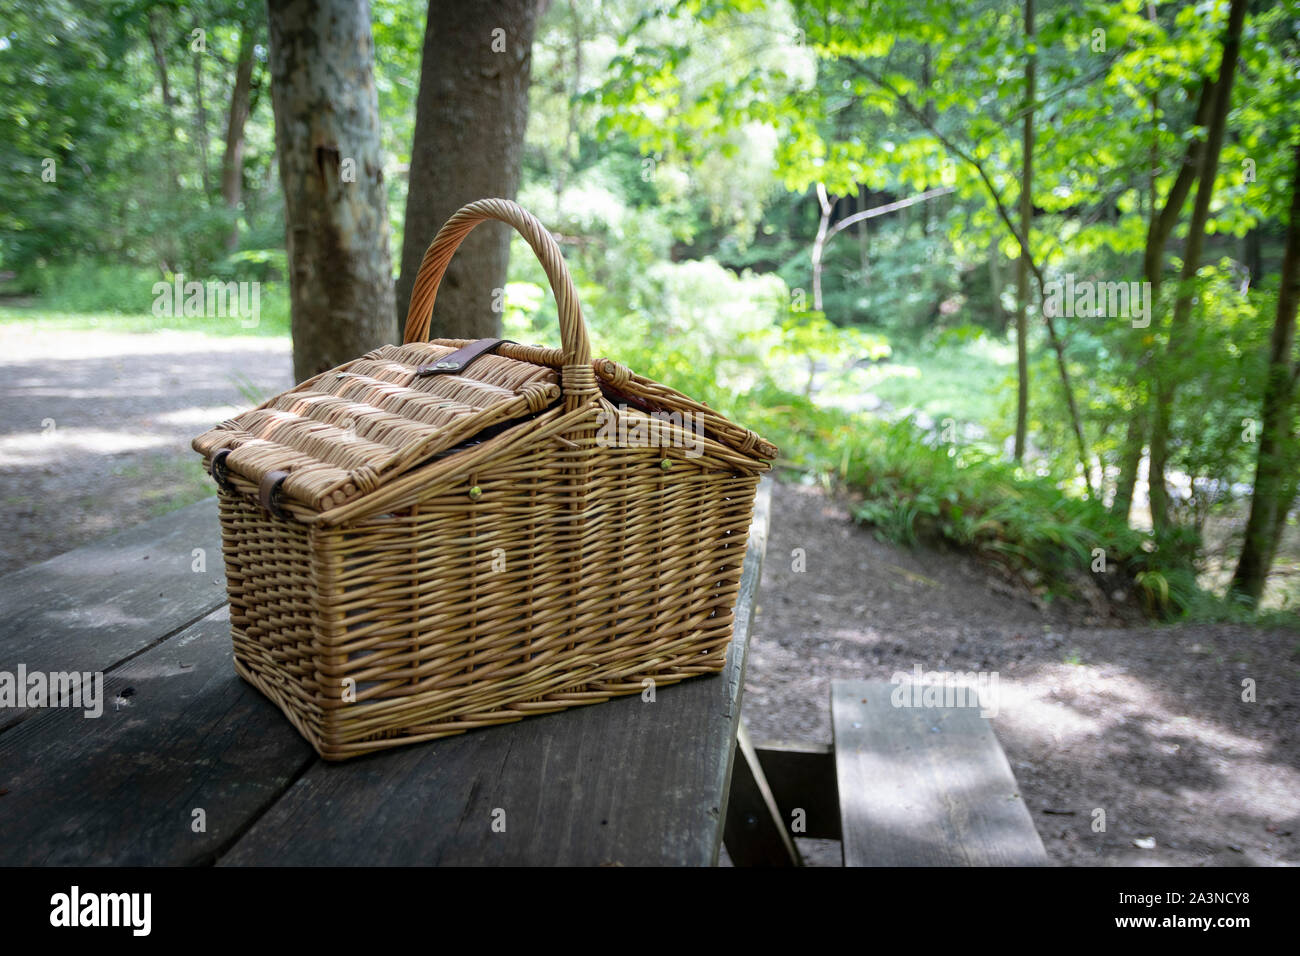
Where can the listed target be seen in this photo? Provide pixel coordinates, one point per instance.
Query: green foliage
(111, 303)
(675, 149)
(101, 167)
(910, 283)
(254, 265)
(86, 286)
(918, 489)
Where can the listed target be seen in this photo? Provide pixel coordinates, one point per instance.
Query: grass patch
(119, 298)
(164, 484)
(959, 380)
(274, 320)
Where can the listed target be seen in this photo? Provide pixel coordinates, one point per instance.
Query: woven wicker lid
(344, 432)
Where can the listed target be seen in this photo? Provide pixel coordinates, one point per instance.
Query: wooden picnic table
(190, 765)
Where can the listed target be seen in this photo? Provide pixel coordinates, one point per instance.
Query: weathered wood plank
(738, 653)
(92, 608)
(122, 788)
(802, 777)
(924, 786)
(755, 833)
(620, 783)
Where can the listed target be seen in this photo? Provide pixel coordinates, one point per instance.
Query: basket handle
(573, 331)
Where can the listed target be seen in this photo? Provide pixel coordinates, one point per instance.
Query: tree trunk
(1253, 254)
(1286, 499)
(327, 139)
(169, 103)
(1022, 264)
(931, 114)
(995, 283)
(471, 115)
(201, 123)
(1160, 226)
(1276, 464)
(1130, 460)
(1162, 413)
(232, 160)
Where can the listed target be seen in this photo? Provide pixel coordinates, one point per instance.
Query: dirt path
(95, 427)
(1145, 723)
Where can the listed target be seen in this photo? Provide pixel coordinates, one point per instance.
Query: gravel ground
(1147, 723)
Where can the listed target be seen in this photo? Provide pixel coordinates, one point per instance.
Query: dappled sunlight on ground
(49, 447)
(95, 426)
(200, 419)
(1036, 710)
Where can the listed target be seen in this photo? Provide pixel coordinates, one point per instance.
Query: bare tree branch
(875, 211)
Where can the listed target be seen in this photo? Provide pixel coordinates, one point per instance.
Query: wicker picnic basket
(453, 534)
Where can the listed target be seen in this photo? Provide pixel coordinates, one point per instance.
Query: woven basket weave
(411, 555)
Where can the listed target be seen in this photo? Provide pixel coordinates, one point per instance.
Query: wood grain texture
(628, 782)
(924, 786)
(121, 788)
(94, 607)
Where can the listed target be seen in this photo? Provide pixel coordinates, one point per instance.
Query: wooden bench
(925, 786)
(190, 765)
(903, 786)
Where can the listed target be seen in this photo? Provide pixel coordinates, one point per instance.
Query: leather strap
(220, 473)
(459, 360)
(268, 492)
